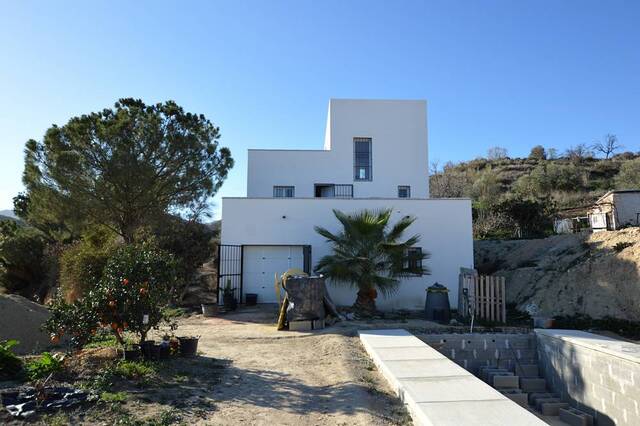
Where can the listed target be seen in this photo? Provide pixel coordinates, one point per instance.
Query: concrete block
(484, 371)
(318, 324)
(506, 382)
(300, 325)
(535, 396)
(533, 385)
(492, 374)
(574, 417)
(516, 395)
(528, 370)
(552, 408)
(540, 401)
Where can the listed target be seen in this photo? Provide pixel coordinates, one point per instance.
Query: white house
(615, 210)
(374, 156)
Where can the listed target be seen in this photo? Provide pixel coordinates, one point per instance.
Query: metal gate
(230, 270)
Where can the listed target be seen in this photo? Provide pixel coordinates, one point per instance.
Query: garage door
(260, 265)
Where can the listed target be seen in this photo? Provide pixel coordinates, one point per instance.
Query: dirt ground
(286, 378)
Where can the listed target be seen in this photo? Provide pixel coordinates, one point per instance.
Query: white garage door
(261, 263)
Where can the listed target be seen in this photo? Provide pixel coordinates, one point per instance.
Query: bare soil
(287, 378)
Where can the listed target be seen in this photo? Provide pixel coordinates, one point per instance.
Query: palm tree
(369, 255)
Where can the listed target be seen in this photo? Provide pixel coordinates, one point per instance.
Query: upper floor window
(404, 191)
(362, 158)
(284, 191)
(330, 190)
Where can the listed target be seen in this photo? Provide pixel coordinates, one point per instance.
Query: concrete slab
(425, 368)
(439, 389)
(486, 413)
(408, 353)
(436, 390)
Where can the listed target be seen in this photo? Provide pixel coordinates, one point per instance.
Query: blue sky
(505, 73)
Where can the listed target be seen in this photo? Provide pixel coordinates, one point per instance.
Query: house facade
(615, 210)
(375, 156)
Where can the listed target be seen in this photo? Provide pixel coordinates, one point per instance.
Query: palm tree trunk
(365, 305)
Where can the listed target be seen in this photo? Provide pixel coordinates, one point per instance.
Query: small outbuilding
(615, 210)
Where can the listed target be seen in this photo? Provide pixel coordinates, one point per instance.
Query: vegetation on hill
(520, 197)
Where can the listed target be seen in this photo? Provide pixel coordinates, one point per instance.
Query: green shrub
(79, 320)
(132, 295)
(42, 367)
(10, 364)
(22, 253)
(82, 263)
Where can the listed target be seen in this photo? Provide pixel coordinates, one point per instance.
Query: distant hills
(8, 214)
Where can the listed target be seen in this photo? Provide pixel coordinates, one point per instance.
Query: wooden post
(492, 300)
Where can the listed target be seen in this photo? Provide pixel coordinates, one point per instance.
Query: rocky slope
(594, 274)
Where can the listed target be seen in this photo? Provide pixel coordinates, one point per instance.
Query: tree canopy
(122, 167)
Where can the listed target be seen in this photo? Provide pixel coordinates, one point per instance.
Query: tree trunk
(365, 305)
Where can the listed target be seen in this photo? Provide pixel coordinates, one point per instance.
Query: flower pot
(164, 350)
(150, 351)
(251, 299)
(132, 353)
(209, 309)
(188, 346)
(230, 302)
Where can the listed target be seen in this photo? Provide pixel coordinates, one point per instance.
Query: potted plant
(209, 309)
(188, 345)
(228, 297)
(132, 353)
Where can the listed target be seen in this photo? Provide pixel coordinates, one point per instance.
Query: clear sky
(506, 73)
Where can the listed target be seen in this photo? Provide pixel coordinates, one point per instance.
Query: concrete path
(436, 390)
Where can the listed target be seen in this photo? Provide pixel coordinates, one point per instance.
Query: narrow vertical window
(284, 192)
(404, 191)
(362, 158)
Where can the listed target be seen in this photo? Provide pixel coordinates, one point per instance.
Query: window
(413, 260)
(404, 191)
(284, 191)
(362, 158)
(330, 190)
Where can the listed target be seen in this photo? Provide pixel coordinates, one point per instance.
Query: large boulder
(21, 319)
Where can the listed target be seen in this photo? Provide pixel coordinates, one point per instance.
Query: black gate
(230, 270)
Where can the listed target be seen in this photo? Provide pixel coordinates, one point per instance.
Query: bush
(10, 364)
(135, 288)
(629, 176)
(78, 320)
(190, 242)
(22, 252)
(42, 367)
(82, 263)
(132, 294)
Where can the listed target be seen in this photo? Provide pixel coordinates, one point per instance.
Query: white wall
(399, 152)
(627, 207)
(444, 226)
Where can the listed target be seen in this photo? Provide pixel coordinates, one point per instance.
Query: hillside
(594, 274)
(570, 182)
(521, 197)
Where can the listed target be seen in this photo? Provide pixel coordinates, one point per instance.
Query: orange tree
(131, 295)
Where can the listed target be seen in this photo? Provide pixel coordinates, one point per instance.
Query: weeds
(43, 367)
(10, 364)
(113, 397)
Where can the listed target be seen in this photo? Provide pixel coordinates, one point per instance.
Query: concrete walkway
(436, 390)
